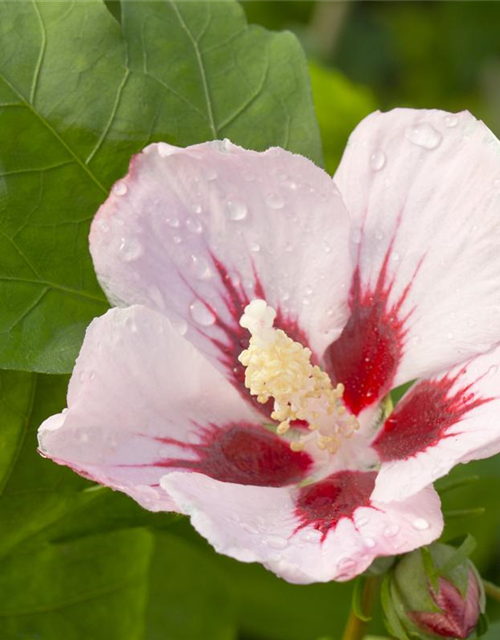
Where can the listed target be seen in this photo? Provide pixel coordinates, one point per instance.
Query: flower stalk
(357, 622)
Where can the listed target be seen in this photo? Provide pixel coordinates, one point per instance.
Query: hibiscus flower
(281, 448)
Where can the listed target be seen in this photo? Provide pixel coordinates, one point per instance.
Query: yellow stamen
(277, 367)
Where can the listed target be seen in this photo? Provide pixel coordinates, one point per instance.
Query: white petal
(197, 233)
(423, 190)
(262, 524)
(142, 400)
(441, 422)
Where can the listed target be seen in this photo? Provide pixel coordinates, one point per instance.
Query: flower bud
(431, 593)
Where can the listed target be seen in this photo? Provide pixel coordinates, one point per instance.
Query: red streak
(244, 454)
(236, 337)
(366, 355)
(424, 416)
(323, 504)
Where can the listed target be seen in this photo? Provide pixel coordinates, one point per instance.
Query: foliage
(83, 86)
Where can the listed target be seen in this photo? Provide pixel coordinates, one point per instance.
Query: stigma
(278, 368)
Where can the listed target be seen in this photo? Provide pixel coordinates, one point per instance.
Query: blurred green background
(380, 55)
(363, 56)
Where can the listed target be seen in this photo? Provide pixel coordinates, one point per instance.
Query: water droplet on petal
(177, 239)
(180, 326)
(194, 225)
(451, 120)
(379, 235)
(81, 377)
(276, 542)
(312, 536)
(346, 564)
(210, 173)
(237, 210)
(492, 370)
(424, 135)
(120, 188)
(201, 314)
(369, 542)
(249, 527)
(377, 160)
(392, 530)
(275, 201)
(173, 222)
(197, 208)
(130, 249)
(254, 246)
(395, 256)
(327, 247)
(157, 296)
(199, 267)
(356, 236)
(420, 524)
(449, 335)
(288, 247)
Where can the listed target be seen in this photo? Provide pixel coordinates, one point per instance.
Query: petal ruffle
(143, 400)
(196, 233)
(442, 421)
(262, 524)
(423, 190)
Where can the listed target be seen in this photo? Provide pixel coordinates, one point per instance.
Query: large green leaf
(93, 588)
(80, 93)
(191, 597)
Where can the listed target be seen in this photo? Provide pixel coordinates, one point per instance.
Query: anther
(277, 367)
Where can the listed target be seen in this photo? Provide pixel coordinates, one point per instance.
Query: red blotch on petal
(244, 454)
(366, 355)
(458, 616)
(236, 337)
(424, 417)
(323, 504)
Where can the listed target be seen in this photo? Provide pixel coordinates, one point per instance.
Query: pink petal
(267, 525)
(440, 422)
(423, 189)
(196, 233)
(142, 400)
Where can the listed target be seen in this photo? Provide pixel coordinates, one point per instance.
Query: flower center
(277, 367)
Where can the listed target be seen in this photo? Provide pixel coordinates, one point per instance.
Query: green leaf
(357, 599)
(79, 94)
(458, 557)
(493, 632)
(390, 609)
(191, 597)
(95, 587)
(484, 494)
(445, 484)
(430, 568)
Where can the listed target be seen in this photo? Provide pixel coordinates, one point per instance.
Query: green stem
(492, 590)
(355, 627)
